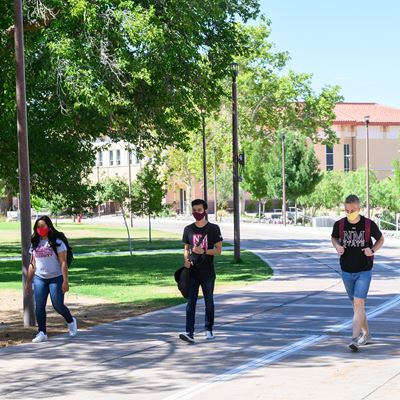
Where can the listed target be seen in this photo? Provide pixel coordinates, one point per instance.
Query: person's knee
(358, 303)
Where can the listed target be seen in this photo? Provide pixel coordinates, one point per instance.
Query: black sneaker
(353, 346)
(187, 337)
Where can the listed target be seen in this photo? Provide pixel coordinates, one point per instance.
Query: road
(280, 339)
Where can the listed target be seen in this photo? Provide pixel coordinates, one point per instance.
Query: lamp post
(235, 146)
(23, 159)
(130, 185)
(283, 181)
(215, 184)
(203, 118)
(366, 119)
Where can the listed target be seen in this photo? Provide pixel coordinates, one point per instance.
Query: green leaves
(301, 167)
(148, 191)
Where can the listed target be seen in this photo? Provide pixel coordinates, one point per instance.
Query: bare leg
(360, 318)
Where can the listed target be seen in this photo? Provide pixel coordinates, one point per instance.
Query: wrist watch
(373, 251)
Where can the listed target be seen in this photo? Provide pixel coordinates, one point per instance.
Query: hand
(340, 250)
(368, 252)
(198, 250)
(65, 287)
(187, 264)
(28, 288)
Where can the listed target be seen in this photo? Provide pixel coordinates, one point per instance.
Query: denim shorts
(357, 284)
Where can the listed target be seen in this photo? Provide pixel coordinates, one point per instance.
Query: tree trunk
(149, 228)
(127, 231)
(259, 210)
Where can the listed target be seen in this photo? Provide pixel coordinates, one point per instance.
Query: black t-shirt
(354, 260)
(192, 235)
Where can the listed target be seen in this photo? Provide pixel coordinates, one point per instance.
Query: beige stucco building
(350, 153)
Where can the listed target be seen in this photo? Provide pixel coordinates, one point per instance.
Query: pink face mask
(199, 216)
(42, 231)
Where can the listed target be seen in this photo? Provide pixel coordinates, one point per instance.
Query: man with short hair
(352, 239)
(202, 241)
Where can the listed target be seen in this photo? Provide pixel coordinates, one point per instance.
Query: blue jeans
(357, 284)
(42, 288)
(207, 286)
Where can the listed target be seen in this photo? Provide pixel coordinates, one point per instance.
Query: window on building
(100, 158)
(134, 158)
(329, 158)
(118, 157)
(111, 156)
(347, 158)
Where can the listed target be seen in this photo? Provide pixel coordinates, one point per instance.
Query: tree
(385, 194)
(148, 191)
(354, 183)
(116, 189)
(271, 100)
(327, 194)
(255, 174)
(301, 167)
(132, 70)
(396, 165)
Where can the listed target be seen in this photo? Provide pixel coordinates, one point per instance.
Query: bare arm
(216, 251)
(186, 254)
(62, 258)
(338, 247)
(378, 244)
(31, 273)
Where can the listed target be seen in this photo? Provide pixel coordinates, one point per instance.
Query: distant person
(351, 237)
(49, 271)
(202, 241)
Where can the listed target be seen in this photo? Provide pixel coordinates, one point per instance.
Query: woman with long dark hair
(49, 271)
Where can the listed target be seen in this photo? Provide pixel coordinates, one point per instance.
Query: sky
(352, 43)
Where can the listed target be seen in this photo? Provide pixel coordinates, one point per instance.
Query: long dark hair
(53, 234)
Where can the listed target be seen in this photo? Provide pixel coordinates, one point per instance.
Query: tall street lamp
(215, 184)
(235, 145)
(283, 181)
(130, 185)
(23, 159)
(366, 119)
(203, 118)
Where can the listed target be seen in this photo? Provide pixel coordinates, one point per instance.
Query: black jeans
(207, 286)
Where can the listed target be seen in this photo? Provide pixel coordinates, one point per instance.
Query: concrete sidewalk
(279, 339)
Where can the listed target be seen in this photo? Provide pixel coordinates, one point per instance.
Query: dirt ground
(87, 310)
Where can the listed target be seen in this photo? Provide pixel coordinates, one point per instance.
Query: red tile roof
(354, 113)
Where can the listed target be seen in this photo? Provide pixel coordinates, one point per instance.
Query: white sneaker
(364, 339)
(40, 337)
(209, 335)
(73, 327)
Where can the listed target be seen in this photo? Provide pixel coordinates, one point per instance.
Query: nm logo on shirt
(354, 239)
(196, 239)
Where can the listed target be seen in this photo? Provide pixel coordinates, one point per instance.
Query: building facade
(350, 153)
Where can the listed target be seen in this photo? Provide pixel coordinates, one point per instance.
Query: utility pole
(283, 181)
(236, 199)
(23, 160)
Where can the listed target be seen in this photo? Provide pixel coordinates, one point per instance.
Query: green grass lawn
(92, 238)
(141, 279)
(144, 280)
(95, 238)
